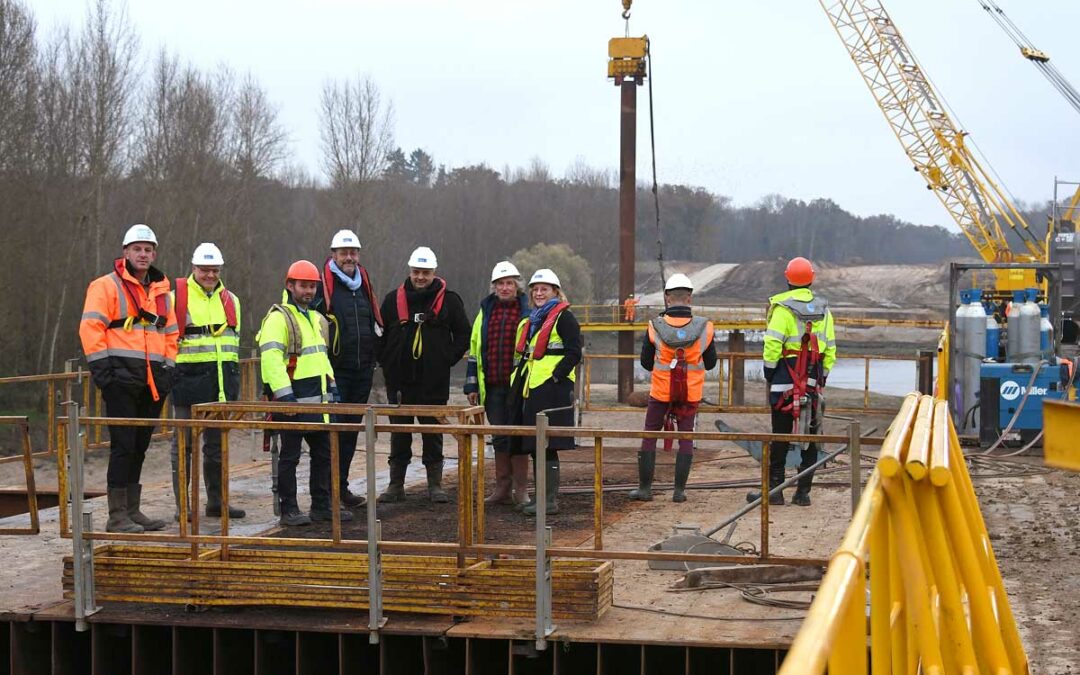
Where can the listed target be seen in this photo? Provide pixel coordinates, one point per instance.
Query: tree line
(97, 133)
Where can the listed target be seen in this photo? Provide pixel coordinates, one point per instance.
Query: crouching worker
(295, 369)
(678, 349)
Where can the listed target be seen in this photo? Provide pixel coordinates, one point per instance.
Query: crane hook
(626, 14)
(626, 9)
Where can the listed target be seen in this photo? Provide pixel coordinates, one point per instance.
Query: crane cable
(655, 188)
(1031, 53)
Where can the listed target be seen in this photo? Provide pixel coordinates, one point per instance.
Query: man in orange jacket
(129, 334)
(678, 349)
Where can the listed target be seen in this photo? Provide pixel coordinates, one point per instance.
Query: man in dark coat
(427, 332)
(347, 299)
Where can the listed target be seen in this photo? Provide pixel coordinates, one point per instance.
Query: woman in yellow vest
(678, 350)
(548, 350)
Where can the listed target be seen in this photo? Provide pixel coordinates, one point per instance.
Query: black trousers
(354, 386)
(319, 482)
(401, 443)
(127, 445)
(496, 402)
(784, 423)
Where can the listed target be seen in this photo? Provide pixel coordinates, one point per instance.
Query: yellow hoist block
(626, 57)
(1061, 428)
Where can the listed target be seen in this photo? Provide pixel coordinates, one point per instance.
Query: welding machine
(1001, 390)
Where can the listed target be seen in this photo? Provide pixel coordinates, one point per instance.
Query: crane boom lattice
(930, 138)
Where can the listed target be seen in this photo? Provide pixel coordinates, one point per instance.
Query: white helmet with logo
(423, 258)
(544, 276)
(207, 254)
(504, 269)
(679, 281)
(140, 232)
(345, 239)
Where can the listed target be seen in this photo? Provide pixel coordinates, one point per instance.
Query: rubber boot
(395, 491)
(646, 467)
(682, 474)
(435, 490)
(774, 500)
(501, 493)
(134, 500)
(212, 476)
(119, 520)
(350, 499)
(519, 475)
(802, 492)
(551, 470)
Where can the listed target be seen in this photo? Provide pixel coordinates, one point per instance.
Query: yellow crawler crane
(933, 141)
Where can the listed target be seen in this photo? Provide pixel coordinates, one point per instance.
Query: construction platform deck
(649, 629)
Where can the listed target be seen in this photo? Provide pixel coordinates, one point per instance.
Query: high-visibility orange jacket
(669, 335)
(129, 332)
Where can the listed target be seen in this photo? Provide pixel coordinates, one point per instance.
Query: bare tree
(258, 139)
(17, 84)
(357, 137)
(107, 52)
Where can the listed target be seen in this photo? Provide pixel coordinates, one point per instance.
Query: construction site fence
(730, 382)
(937, 603)
(465, 424)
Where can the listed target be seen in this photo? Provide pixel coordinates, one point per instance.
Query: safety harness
(678, 338)
(419, 318)
(293, 347)
(543, 337)
(807, 360)
(227, 303)
(159, 320)
(329, 281)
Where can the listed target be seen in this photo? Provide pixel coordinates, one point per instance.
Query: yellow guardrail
(937, 603)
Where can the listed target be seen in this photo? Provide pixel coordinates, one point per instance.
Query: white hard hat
(423, 258)
(544, 276)
(207, 254)
(345, 239)
(140, 233)
(678, 281)
(504, 269)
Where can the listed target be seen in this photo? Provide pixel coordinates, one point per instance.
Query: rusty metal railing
(27, 456)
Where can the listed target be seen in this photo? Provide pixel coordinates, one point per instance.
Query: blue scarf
(353, 283)
(539, 314)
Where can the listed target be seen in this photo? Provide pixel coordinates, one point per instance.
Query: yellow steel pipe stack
(937, 601)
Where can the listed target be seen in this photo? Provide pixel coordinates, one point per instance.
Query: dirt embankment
(886, 286)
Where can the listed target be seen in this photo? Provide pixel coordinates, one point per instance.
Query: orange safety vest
(680, 343)
(126, 326)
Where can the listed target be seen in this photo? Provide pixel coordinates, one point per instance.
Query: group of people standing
(144, 340)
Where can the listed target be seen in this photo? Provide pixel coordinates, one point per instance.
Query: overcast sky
(751, 98)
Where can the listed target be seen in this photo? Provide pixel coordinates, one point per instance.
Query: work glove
(474, 398)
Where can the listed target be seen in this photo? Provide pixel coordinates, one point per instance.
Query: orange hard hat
(302, 270)
(799, 272)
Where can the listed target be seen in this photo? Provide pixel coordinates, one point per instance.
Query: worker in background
(347, 298)
(548, 349)
(207, 366)
(295, 369)
(487, 380)
(678, 349)
(427, 332)
(799, 351)
(630, 307)
(128, 333)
